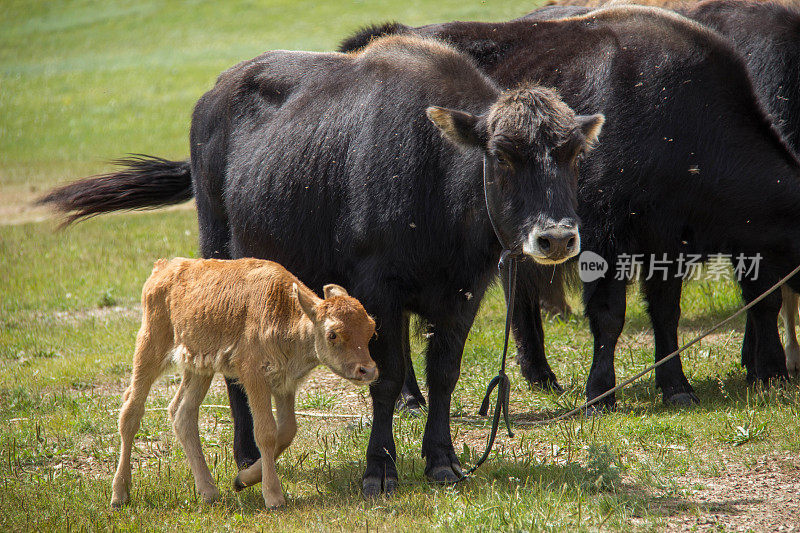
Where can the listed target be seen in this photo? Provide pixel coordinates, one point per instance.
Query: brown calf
(247, 319)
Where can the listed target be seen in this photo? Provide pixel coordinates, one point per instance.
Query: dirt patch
(761, 497)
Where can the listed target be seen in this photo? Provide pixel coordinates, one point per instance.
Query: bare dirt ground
(762, 497)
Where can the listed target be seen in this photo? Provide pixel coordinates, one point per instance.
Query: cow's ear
(332, 290)
(590, 126)
(307, 302)
(459, 127)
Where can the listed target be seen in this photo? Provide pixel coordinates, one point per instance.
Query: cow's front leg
(605, 307)
(663, 297)
(527, 322)
(380, 474)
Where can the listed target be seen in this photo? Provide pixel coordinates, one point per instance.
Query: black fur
(767, 36)
(677, 97)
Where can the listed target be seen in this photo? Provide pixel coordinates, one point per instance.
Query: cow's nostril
(543, 243)
(361, 371)
(571, 243)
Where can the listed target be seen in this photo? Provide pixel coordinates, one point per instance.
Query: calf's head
(532, 143)
(342, 331)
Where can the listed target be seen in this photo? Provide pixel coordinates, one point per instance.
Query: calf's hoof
(238, 486)
(120, 501)
(682, 399)
(374, 486)
(210, 496)
(445, 474)
(274, 502)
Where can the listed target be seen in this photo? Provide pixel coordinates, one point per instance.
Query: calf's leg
(663, 299)
(146, 368)
(287, 422)
(184, 411)
(789, 311)
(265, 431)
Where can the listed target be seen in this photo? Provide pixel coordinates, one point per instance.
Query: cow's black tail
(362, 37)
(145, 182)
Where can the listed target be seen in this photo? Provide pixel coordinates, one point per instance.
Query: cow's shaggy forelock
(531, 115)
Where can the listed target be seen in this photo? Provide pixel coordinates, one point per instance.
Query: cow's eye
(502, 160)
(331, 335)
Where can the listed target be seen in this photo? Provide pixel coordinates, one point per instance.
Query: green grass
(85, 82)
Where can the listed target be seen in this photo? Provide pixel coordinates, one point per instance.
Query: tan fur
(789, 312)
(247, 319)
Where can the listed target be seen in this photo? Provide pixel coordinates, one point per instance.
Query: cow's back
(331, 159)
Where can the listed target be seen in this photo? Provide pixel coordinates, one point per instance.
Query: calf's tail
(144, 182)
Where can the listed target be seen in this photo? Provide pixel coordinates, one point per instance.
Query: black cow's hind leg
(768, 357)
(605, 307)
(411, 399)
(528, 331)
(245, 451)
(215, 244)
(664, 306)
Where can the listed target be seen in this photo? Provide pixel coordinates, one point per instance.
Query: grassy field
(84, 82)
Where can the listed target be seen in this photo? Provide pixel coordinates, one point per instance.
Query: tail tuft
(146, 182)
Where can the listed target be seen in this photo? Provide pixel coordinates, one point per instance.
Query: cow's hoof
(374, 486)
(600, 408)
(682, 399)
(410, 405)
(445, 474)
(238, 486)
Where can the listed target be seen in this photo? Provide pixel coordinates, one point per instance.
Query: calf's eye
(331, 335)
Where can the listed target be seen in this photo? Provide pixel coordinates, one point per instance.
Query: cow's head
(342, 331)
(532, 142)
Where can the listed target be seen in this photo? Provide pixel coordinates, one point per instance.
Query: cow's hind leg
(411, 399)
(215, 244)
(664, 306)
(768, 359)
(150, 350)
(527, 321)
(789, 310)
(184, 411)
(605, 307)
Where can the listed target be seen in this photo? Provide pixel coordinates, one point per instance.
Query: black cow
(690, 163)
(327, 164)
(767, 35)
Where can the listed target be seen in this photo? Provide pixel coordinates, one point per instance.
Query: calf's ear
(332, 289)
(459, 127)
(307, 303)
(590, 126)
